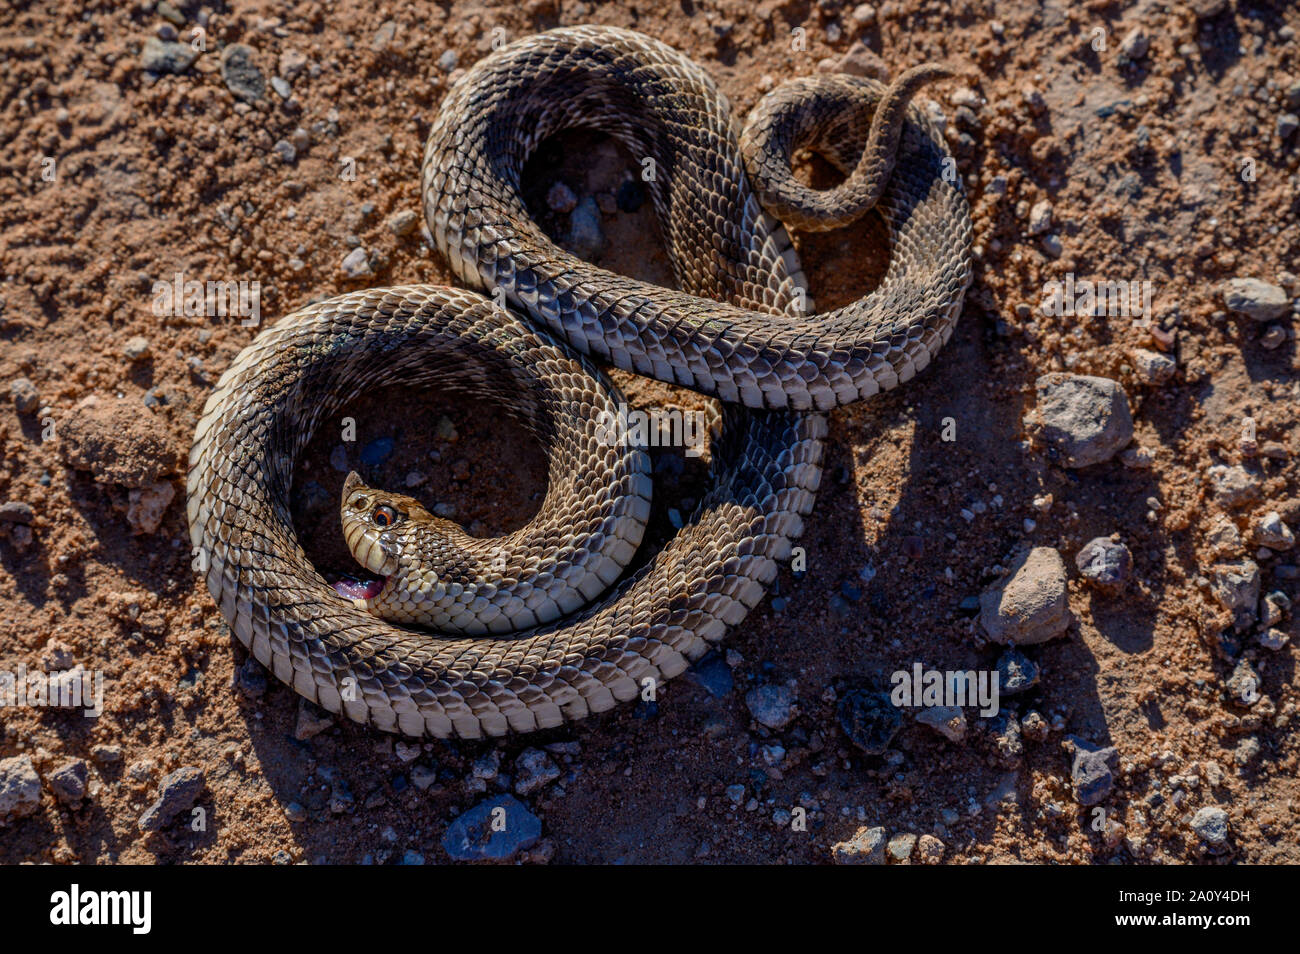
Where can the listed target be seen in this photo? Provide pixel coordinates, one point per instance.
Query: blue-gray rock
(161, 56)
(377, 451)
(534, 770)
(869, 719)
(493, 830)
(1016, 673)
(176, 793)
(240, 73)
(586, 238)
(68, 783)
(770, 705)
(1093, 771)
(713, 673)
(1105, 563)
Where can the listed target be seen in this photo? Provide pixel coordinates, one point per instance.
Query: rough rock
(1233, 486)
(1257, 300)
(146, 506)
(1016, 673)
(900, 847)
(1153, 367)
(866, 847)
(312, 720)
(68, 783)
(948, 721)
(771, 705)
(1210, 825)
(929, 850)
(1084, 419)
(177, 793)
(1273, 533)
(1031, 603)
(869, 719)
(240, 73)
(1235, 584)
(20, 788)
(1092, 771)
(1105, 563)
(534, 770)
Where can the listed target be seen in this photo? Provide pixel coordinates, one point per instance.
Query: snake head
(375, 524)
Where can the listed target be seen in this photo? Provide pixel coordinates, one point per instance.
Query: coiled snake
(544, 625)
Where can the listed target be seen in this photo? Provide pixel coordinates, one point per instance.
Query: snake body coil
(735, 330)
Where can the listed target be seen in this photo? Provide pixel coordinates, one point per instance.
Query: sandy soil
(1141, 158)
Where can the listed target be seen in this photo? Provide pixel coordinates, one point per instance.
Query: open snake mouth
(360, 589)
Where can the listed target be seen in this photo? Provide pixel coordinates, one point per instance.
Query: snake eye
(384, 516)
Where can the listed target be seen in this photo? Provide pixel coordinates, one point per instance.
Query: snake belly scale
(553, 627)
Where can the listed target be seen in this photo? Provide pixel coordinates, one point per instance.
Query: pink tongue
(356, 590)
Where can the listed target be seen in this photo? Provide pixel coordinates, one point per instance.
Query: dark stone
(493, 830)
(869, 719)
(177, 793)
